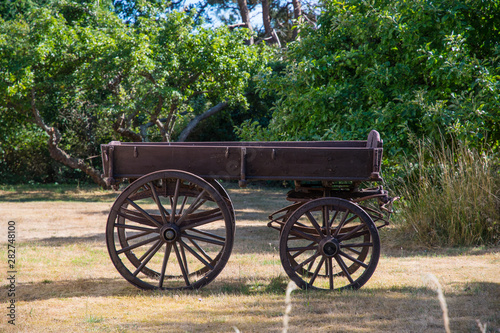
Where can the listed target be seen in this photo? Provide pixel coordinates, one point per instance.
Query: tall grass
(451, 196)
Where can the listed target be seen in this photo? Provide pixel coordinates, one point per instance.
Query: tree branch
(120, 128)
(114, 83)
(237, 25)
(60, 155)
(193, 123)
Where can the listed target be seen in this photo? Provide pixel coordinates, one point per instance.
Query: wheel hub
(170, 233)
(329, 247)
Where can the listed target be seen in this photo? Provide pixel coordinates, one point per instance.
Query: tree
(85, 77)
(280, 19)
(407, 68)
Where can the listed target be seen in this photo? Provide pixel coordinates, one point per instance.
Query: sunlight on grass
(67, 282)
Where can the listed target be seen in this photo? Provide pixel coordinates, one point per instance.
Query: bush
(451, 196)
(405, 68)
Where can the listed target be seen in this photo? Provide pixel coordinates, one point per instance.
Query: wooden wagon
(173, 227)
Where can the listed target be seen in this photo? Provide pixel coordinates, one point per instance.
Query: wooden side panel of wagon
(312, 161)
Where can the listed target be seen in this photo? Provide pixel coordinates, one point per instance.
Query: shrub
(451, 196)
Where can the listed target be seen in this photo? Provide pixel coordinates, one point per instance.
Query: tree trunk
(266, 18)
(297, 14)
(60, 155)
(245, 16)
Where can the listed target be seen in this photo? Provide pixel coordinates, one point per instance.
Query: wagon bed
(176, 214)
(308, 161)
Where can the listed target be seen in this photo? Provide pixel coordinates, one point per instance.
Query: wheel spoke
(198, 247)
(305, 262)
(208, 234)
(352, 250)
(344, 222)
(197, 256)
(215, 215)
(184, 200)
(149, 251)
(203, 239)
(310, 266)
(341, 224)
(198, 205)
(302, 249)
(152, 251)
(139, 235)
(144, 242)
(329, 225)
(164, 264)
(144, 213)
(316, 272)
(348, 246)
(303, 235)
(315, 224)
(181, 265)
(162, 209)
(134, 216)
(326, 218)
(343, 266)
(174, 199)
(128, 226)
(330, 273)
(192, 207)
(183, 253)
(351, 233)
(353, 259)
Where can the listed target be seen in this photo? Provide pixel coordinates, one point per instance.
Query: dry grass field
(67, 283)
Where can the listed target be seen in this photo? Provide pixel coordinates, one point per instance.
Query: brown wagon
(173, 226)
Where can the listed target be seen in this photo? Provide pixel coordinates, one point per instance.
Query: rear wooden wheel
(329, 243)
(170, 230)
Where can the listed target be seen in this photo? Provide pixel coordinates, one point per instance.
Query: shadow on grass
(63, 196)
(101, 287)
(380, 309)
(112, 287)
(64, 241)
(55, 192)
(392, 252)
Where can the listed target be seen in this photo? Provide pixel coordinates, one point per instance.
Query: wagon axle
(329, 247)
(170, 233)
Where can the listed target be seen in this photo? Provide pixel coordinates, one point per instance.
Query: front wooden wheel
(329, 243)
(170, 230)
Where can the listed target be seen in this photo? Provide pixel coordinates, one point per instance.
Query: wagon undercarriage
(173, 228)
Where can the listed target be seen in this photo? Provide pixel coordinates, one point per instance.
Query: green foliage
(412, 68)
(450, 196)
(94, 78)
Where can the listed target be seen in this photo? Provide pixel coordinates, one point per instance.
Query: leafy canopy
(94, 78)
(406, 68)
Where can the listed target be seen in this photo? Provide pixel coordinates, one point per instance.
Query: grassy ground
(67, 283)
